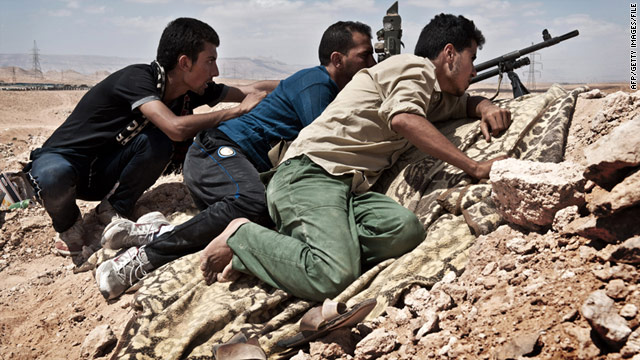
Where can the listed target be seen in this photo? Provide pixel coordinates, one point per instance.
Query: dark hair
(338, 37)
(184, 36)
(444, 29)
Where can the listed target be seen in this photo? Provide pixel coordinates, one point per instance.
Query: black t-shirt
(108, 115)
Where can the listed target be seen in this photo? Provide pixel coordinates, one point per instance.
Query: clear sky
(290, 30)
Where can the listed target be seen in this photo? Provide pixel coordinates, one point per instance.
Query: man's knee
(411, 230)
(153, 146)
(54, 178)
(330, 281)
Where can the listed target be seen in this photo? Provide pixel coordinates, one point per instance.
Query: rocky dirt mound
(556, 291)
(560, 281)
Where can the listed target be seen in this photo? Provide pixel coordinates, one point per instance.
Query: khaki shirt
(354, 136)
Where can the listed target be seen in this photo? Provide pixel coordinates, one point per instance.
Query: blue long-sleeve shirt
(292, 105)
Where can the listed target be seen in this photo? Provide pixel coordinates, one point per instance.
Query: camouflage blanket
(178, 316)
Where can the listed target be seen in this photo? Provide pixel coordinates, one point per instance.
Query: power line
(531, 74)
(37, 71)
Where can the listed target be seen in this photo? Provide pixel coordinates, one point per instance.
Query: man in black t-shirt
(124, 129)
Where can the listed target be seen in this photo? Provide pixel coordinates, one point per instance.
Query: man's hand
(483, 168)
(494, 119)
(250, 101)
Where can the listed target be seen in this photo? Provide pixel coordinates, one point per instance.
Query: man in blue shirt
(223, 164)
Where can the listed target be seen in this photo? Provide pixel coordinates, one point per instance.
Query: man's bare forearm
(428, 139)
(264, 85)
(180, 128)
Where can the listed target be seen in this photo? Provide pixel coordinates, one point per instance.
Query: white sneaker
(115, 276)
(123, 233)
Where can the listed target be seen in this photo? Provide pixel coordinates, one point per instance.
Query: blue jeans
(224, 185)
(63, 175)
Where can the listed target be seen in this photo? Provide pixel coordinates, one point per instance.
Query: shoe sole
(99, 271)
(63, 252)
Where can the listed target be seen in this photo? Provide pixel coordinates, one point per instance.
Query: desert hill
(84, 69)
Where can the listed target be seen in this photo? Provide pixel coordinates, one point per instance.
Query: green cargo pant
(325, 233)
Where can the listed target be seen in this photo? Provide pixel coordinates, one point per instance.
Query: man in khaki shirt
(329, 224)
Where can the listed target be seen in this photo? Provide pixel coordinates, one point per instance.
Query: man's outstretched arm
(428, 139)
(238, 93)
(180, 128)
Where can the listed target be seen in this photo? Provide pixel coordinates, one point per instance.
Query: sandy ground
(47, 310)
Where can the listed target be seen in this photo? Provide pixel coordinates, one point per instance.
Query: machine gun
(389, 36)
(509, 62)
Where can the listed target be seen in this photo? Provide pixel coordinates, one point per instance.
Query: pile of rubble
(559, 281)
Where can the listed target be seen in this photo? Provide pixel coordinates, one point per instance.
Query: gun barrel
(491, 73)
(516, 54)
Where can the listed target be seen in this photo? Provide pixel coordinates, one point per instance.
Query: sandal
(239, 348)
(64, 249)
(331, 315)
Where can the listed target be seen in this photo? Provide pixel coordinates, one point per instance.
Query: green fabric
(325, 233)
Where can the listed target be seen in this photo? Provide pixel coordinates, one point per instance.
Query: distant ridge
(238, 68)
(84, 64)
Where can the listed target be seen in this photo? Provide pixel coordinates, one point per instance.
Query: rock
(34, 222)
(599, 310)
(99, 341)
(628, 273)
(431, 322)
(337, 343)
(616, 108)
(616, 289)
(435, 340)
(587, 253)
(629, 311)
(519, 346)
(416, 299)
(632, 347)
(593, 94)
(440, 300)
(612, 229)
(611, 157)
(628, 252)
(571, 315)
(77, 317)
(457, 292)
(568, 274)
(623, 195)
(378, 343)
(581, 340)
(521, 246)
(490, 282)
(488, 269)
(445, 349)
(399, 316)
(529, 193)
(563, 217)
(301, 355)
(448, 278)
